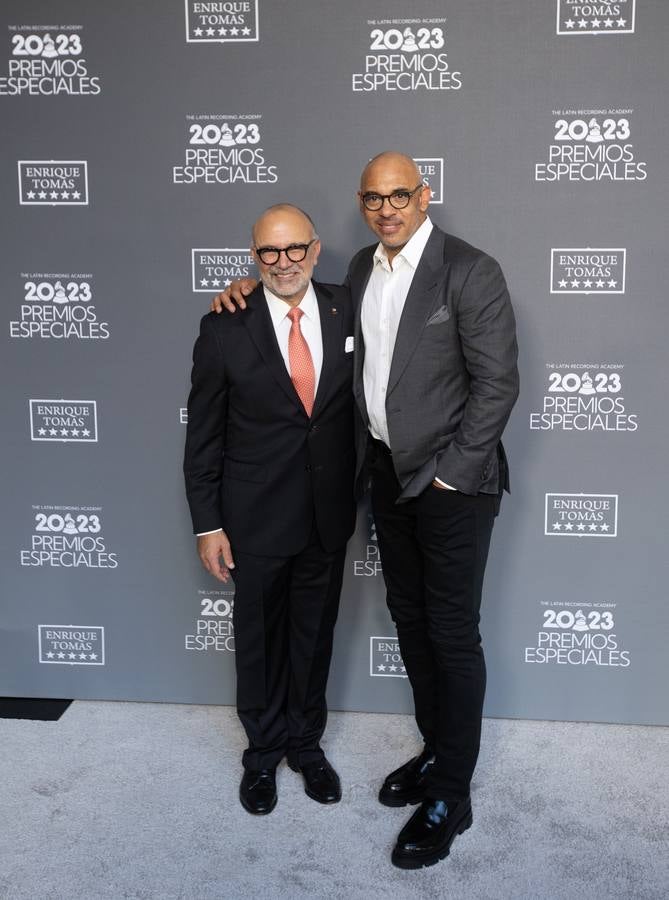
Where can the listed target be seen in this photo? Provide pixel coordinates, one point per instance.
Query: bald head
(288, 213)
(391, 160)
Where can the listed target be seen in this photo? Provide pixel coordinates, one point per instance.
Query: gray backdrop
(140, 142)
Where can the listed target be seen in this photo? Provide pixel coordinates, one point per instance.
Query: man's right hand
(210, 548)
(233, 296)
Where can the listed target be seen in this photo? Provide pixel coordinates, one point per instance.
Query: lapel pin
(334, 310)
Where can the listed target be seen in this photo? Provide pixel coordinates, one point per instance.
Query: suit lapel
(332, 318)
(259, 325)
(425, 285)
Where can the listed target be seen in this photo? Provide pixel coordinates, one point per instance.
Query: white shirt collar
(279, 309)
(412, 251)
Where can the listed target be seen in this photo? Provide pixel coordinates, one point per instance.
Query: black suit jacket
(453, 378)
(255, 464)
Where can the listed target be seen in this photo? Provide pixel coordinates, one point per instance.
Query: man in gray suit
(435, 379)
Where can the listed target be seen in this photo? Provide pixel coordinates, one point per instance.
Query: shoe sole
(258, 812)
(405, 800)
(312, 795)
(320, 799)
(404, 862)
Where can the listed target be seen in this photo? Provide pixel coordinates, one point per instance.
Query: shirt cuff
(202, 533)
(449, 487)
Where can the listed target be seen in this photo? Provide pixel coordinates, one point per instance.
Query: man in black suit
(269, 466)
(435, 381)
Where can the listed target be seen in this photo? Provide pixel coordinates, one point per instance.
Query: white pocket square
(348, 346)
(441, 315)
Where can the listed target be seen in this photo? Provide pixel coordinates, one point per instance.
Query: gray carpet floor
(135, 800)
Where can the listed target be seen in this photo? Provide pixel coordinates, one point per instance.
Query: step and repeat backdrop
(141, 140)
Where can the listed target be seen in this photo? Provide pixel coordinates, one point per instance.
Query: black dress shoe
(427, 836)
(257, 791)
(407, 784)
(321, 782)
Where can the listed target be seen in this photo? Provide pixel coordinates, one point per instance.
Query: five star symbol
(222, 32)
(64, 432)
(381, 667)
(581, 526)
(595, 23)
(53, 195)
(71, 655)
(587, 283)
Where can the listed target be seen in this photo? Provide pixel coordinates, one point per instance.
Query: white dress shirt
(310, 325)
(382, 305)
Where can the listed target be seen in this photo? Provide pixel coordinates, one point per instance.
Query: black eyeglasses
(398, 199)
(294, 252)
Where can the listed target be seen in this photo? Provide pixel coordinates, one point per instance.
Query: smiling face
(385, 174)
(281, 227)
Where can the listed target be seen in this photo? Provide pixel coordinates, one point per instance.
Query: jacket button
(307, 468)
(314, 428)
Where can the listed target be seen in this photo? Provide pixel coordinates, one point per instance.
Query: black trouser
(433, 550)
(284, 617)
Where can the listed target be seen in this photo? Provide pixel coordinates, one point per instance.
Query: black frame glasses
(294, 252)
(398, 199)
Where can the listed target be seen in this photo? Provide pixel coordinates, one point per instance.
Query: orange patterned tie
(301, 364)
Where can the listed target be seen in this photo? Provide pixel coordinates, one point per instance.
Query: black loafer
(257, 791)
(427, 836)
(321, 782)
(407, 784)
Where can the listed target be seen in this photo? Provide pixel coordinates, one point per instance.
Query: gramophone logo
(595, 16)
(221, 21)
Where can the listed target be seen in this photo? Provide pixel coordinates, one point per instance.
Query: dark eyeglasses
(294, 252)
(398, 199)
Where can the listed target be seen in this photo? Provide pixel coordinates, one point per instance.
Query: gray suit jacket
(453, 378)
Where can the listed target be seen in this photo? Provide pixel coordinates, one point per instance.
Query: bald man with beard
(435, 379)
(269, 467)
